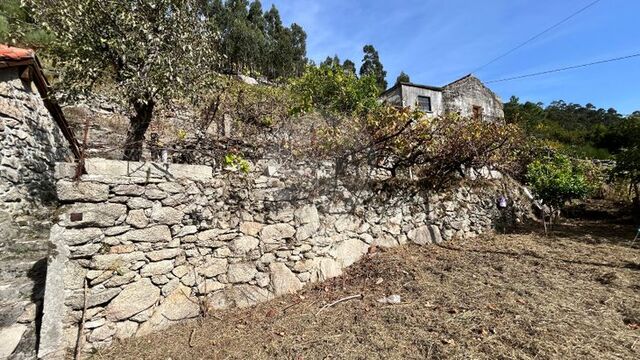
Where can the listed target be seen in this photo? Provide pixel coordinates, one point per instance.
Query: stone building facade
(467, 97)
(33, 137)
(33, 133)
(153, 242)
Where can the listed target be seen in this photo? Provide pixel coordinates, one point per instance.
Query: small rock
(137, 219)
(157, 268)
(391, 299)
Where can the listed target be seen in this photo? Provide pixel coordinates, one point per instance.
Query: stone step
(13, 268)
(16, 289)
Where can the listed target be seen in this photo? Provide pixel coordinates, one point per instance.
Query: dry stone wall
(152, 242)
(30, 145)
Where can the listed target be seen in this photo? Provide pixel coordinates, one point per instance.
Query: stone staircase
(23, 252)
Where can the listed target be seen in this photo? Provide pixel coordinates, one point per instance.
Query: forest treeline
(581, 130)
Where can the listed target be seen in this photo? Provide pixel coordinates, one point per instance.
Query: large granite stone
(213, 267)
(137, 219)
(92, 215)
(349, 251)
(11, 337)
(153, 234)
(116, 168)
(307, 221)
(75, 237)
(115, 261)
(241, 272)
(135, 298)
(277, 232)
(179, 305)
(284, 281)
(166, 215)
(82, 191)
(157, 268)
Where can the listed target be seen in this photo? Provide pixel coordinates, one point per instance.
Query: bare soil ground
(572, 295)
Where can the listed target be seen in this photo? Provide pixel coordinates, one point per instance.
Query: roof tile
(14, 53)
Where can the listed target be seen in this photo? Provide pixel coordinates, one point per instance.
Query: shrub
(556, 179)
(236, 162)
(331, 90)
(628, 169)
(398, 140)
(253, 108)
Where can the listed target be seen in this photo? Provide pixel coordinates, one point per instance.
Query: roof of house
(16, 57)
(394, 87)
(15, 54)
(428, 87)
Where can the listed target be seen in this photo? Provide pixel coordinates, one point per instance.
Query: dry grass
(572, 295)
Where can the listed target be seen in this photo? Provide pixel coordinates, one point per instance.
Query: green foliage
(237, 162)
(397, 141)
(249, 105)
(18, 27)
(403, 78)
(371, 66)
(556, 179)
(256, 42)
(349, 66)
(628, 169)
(153, 50)
(181, 135)
(582, 131)
(331, 90)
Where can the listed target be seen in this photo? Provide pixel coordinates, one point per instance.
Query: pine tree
(299, 44)
(349, 67)
(256, 16)
(403, 78)
(331, 61)
(371, 66)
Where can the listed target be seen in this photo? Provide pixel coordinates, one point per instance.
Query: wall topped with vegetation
(141, 246)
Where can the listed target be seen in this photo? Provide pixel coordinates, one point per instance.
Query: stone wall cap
(149, 170)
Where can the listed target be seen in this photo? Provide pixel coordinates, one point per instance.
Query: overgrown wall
(153, 241)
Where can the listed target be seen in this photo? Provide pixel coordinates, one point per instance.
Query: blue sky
(437, 41)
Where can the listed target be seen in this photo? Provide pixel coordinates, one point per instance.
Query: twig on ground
(193, 332)
(358, 296)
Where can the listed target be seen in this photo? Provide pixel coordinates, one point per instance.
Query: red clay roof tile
(14, 53)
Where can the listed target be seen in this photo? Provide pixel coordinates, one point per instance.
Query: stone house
(33, 131)
(34, 135)
(467, 97)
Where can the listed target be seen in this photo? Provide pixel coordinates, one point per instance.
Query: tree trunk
(138, 125)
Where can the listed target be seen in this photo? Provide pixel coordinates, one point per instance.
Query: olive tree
(152, 50)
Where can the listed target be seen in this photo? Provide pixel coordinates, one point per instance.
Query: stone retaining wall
(30, 145)
(154, 242)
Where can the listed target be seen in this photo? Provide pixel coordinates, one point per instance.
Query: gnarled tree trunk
(138, 125)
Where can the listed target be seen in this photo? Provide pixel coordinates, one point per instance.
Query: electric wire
(564, 69)
(547, 30)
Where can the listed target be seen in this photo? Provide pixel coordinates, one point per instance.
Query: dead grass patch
(517, 296)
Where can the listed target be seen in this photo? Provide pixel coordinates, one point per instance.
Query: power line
(538, 35)
(564, 68)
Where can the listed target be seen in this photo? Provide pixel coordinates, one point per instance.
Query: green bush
(237, 162)
(556, 179)
(331, 89)
(628, 169)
